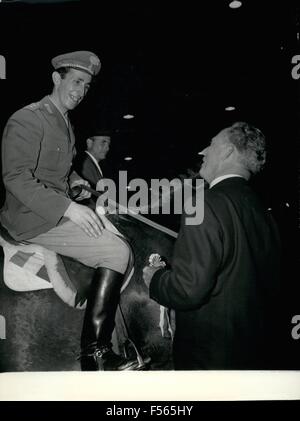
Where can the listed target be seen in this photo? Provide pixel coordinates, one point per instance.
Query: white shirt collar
(223, 177)
(95, 162)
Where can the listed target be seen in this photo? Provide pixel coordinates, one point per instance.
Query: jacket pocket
(51, 158)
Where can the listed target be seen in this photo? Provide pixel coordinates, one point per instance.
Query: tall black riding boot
(99, 322)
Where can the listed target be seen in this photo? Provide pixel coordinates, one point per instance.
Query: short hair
(251, 144)
(63, 71)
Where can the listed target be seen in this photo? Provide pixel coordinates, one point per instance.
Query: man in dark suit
(224, 278)
(37, 152)
(88, 163)
(97, 148)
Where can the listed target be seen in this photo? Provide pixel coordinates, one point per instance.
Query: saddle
(31, 267)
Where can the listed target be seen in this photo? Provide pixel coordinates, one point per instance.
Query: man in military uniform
(37, 153)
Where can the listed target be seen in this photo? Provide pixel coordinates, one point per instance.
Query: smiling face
(70, 90)
(98, 146)
(214, 156)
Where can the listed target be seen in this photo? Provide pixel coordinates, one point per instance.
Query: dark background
(176, 68)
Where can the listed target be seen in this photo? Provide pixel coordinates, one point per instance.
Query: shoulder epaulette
(48, 108)
(34, 106)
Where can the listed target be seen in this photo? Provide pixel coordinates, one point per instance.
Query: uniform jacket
(224, 283)
(37, 153)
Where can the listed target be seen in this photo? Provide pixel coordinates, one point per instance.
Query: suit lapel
(96, 169)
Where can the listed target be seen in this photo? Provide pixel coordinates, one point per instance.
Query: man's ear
(228, 150)
(56, 78)
(89, 143)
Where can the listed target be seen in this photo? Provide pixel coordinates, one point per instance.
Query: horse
(43, 313)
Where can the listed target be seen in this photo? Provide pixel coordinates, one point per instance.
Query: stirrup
(110, 361)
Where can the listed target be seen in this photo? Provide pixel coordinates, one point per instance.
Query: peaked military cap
(81, 60)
